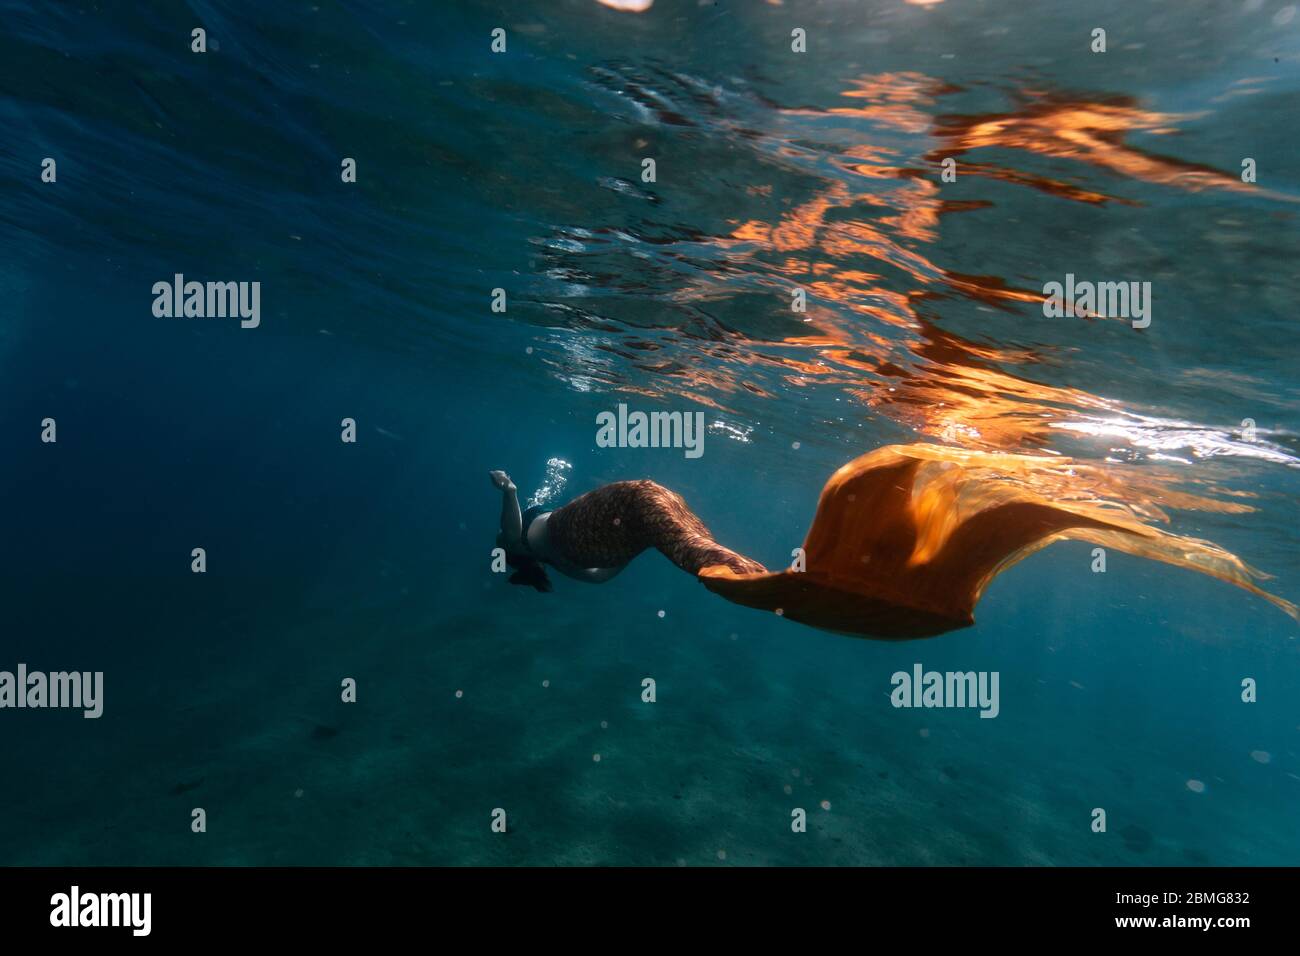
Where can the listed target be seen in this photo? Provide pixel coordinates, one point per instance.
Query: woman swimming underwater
(904, 542)
(593, 537)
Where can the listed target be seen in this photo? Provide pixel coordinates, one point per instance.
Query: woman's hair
(528, 571)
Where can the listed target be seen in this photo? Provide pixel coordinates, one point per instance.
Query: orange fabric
(906, 539)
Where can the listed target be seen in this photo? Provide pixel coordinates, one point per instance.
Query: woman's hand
(501, 480)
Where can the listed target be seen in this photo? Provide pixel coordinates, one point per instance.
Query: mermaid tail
(904, 542)
(610, 526)
(906, 539)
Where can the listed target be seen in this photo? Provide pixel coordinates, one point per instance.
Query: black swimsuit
(528, 517)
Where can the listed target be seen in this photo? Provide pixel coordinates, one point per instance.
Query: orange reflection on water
(1091, 132)
(865, 246)
(937, 382)
(895, 99)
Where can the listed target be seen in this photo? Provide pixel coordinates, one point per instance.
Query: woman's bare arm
(512, 522)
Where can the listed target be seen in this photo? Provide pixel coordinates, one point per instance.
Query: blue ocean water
(523, 170)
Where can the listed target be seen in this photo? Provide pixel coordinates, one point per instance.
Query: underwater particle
(460, 694)
(595, 758)
(1284, 16)
(661, 613)
(546, 683)
(298, 792)
(1196, 786)
(1261, 756)
(780, 612)
(924, 731)
(617, 522)
(680, 861)
(795, 772)
(722, 854)
(794, 445)
(788, 789)
(735, 636)
(529, 350)
(628, 6)
(825, 804)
